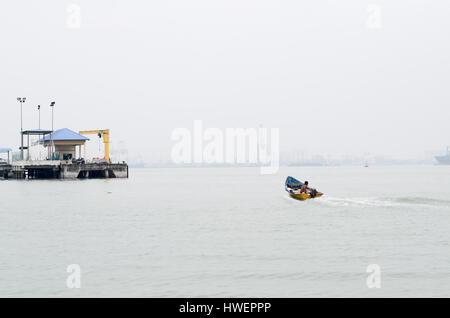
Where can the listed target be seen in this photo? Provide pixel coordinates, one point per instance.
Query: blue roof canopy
(65, 134)
(2, 150)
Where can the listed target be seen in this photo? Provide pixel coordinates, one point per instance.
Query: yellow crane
(100, 133)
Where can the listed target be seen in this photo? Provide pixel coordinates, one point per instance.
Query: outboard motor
(313, 193)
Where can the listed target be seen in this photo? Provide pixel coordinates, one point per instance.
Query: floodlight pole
(21, 100)
(39, 111)
(52, 105)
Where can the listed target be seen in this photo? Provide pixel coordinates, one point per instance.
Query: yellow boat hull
(304, 196)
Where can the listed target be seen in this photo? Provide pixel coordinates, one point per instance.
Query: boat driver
(305, 188)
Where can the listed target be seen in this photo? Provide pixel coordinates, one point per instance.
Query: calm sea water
(229, 232)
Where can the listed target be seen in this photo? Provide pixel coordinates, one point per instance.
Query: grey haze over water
(229, 232)
(333, 80)
(337, 78)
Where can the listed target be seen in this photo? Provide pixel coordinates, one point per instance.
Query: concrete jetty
(65, 158)
(56, 169)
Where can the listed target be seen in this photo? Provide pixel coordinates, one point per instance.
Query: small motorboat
(293, 187)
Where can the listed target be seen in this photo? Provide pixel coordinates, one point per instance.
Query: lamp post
(52, 105)
(21, 100)
(39, 111)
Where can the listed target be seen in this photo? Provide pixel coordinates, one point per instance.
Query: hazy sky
(335, 77)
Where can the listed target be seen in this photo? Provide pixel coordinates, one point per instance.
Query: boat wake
(384, 202)
(422, 201)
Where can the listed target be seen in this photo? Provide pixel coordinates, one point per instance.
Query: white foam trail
(375, 202)
(383, 202)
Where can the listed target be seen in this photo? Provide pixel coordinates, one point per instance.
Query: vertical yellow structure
(101, 133)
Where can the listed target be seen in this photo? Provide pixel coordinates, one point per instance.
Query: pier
(55, 169)
(64, 160)
(59, 154)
